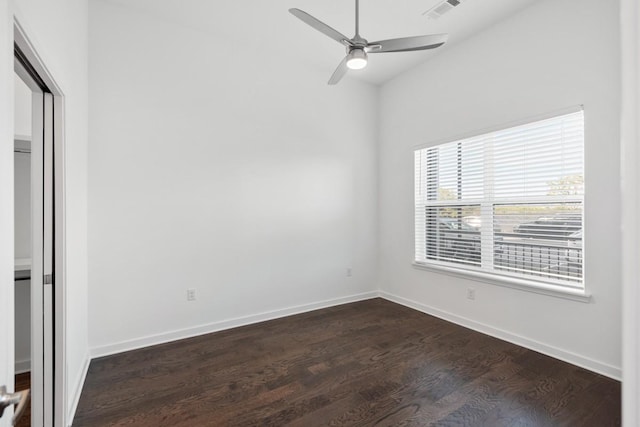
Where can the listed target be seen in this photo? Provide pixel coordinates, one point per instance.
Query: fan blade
(321, 26)
(407, 44)
(339, 73)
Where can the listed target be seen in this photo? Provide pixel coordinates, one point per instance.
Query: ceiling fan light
(357, 59)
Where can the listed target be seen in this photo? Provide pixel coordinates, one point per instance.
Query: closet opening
(39, 239)
(23, 107)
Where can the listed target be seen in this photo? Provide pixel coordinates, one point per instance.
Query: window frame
(546, 287)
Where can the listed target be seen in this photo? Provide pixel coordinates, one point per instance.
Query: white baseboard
(555, 352)
(147, 341)
(77, 390)
(22, 366)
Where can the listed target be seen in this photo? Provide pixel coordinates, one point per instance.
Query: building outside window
(509, 203)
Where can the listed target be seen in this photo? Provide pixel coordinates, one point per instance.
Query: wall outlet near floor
(471, 293)
(349, 272)
(191, 294)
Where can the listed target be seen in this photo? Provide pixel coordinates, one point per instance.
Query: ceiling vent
(441, 8)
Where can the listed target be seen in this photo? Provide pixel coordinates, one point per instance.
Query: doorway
(33, 244)
(39, 247)
(23, 130)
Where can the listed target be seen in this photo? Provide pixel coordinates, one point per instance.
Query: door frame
(630, 133)
(30, 53)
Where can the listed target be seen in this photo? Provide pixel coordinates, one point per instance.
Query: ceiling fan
(358, 48)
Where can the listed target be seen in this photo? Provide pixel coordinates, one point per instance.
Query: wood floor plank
(372, 363)
(23, 382)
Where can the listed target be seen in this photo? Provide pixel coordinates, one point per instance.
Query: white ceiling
(268, 25)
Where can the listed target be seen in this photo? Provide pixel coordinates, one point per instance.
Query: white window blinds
(509, 202)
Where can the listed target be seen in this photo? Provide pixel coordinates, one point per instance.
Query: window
(508, 203)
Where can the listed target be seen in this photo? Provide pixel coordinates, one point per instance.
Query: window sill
(579, 295)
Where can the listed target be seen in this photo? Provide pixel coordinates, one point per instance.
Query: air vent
(441, 8)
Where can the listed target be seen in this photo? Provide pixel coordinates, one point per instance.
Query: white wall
(551, 56)
(22, 173)
(22, 244)
(22, 108)
(217, 166)
(22, 326)
(630, 35)
(6, 202)
(58, 30)
(22, 235)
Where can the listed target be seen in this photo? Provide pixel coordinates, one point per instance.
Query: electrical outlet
(349, 272)
(191, 294)
(471, 293)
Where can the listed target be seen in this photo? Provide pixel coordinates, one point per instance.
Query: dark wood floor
(23, 382)
(371, 363)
